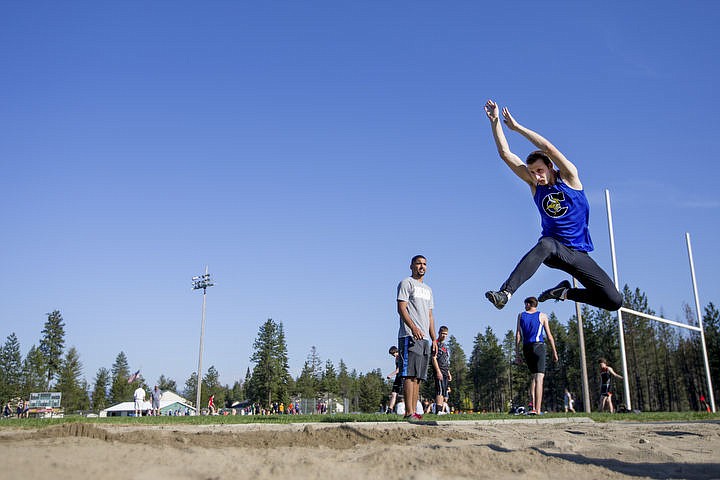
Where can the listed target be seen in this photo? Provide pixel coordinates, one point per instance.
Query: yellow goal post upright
(699, 328)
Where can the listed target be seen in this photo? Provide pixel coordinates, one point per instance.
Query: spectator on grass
(606, 391)
(568, 401)
(155, 395)
(23, 411)
(139, 397)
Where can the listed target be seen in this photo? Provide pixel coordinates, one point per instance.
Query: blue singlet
(531, 328)
(564, 214)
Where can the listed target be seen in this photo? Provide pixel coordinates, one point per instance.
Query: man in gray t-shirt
(156, 395)
(415, 307)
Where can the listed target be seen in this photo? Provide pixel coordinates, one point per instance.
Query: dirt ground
(534, 449)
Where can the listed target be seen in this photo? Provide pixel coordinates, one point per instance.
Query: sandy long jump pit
(574, 448)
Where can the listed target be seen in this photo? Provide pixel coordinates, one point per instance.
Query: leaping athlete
(564, 212)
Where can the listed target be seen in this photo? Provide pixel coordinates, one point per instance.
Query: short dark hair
(538, 155)
(532, 301)
(393, 350)
(602, 360)
(443, 328)
(417, 257)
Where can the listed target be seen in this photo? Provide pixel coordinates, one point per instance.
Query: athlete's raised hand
(509, 120)
(491, 110)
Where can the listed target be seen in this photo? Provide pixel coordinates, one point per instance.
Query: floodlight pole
(711, 396)
(201, 282)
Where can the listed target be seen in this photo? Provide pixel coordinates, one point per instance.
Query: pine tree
(53, 344)
(555, 380)
(370, 391)
(166, 384)
(460, 388)
(711, 325)
(329, 380)
(11, 368)
(190, 391)
(308, 384)
(120, 389)
(99, 396)
(269, 381)
(345, 383)
(34, 372)
(71, 384)
(305, 385)
(488, 371)
(237, 393)
(517, 374)
(248, 376)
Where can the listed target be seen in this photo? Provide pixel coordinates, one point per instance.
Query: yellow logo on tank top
(552, 204)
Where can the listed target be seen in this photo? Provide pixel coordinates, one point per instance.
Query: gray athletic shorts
(416, 357)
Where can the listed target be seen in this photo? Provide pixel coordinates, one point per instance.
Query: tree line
(665, 368)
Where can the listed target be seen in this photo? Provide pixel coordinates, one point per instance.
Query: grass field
(280, 419)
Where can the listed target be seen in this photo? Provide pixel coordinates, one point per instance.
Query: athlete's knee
(615, 300)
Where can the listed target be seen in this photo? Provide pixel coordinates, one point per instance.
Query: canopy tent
(169, 402)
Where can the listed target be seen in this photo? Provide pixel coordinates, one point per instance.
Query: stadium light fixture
(201, 282)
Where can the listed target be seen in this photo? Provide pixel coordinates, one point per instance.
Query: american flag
(134, 376)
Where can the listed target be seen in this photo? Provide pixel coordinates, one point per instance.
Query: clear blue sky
(306, 150)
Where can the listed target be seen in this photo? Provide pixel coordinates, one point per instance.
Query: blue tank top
(564, 214)
(531, 328)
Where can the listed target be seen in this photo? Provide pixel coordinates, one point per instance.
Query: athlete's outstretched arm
(551, 339)
(568, 170)
(512, 160)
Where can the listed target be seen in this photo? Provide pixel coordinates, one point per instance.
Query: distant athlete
(568, 401)
(606, 374)
(564, 214)
(441, 366)
(532, 328)
(397, 388)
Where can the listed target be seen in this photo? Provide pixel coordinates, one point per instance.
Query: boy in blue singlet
(564, 214)
(532, 328)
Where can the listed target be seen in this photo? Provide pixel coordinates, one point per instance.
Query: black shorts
(441, 386)
(398, 384)
(535, 356)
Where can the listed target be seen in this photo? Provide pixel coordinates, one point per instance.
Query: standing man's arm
(551, 339)
(568, 170)
(518, 339)
(513, 161)
(432, 333)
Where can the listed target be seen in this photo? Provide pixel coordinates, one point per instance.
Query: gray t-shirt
(419, 298)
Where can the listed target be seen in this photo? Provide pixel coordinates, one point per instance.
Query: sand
(574, 448)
